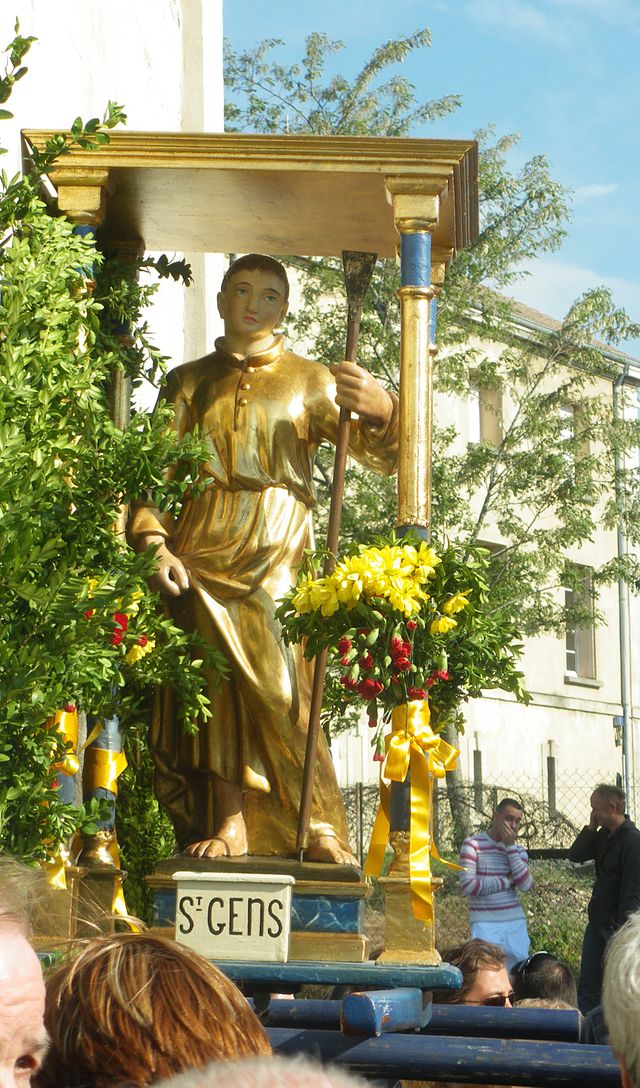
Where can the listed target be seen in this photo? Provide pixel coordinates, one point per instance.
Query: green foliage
(66, 472)
(144, 830)
(544, 486)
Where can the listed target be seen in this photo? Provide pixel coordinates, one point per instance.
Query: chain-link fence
(552, 818)
(556, 907)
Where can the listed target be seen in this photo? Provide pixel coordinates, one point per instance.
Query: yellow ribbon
(55, 872)
(66, 723)
(102, 769)
(412, 745)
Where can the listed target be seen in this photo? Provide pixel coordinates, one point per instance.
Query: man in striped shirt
(495, 868)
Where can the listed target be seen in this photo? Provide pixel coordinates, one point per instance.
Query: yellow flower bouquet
(402, 621)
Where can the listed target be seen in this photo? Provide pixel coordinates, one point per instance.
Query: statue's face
(252, 304)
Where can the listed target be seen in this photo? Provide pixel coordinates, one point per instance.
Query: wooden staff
(358, 269)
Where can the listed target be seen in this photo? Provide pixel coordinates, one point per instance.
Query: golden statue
(233, 553)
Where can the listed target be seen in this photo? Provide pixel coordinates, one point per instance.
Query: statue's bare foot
(328, 848)
(230, 842)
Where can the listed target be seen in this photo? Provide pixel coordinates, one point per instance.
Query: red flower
(344, 645)
(411, 625)
(364, 631)
(400, 650)
(348, 682)
(55, 784)
(402, 664)
(366, 661)
(117, 636)
(142, 641)
(344, 660)
(369, 688)
(440, 674)
(378, 757)
(417, 693)
(372, 723)
(121, 619)
(89, 613)
(70, 707)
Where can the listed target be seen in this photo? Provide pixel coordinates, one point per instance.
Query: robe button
(243, 401)
(245, 385)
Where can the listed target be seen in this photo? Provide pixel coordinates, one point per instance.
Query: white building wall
(162, 61)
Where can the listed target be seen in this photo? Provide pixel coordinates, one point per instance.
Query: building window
(580, 627)
(485, 415)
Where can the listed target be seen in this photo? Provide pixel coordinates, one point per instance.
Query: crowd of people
(135, 1009)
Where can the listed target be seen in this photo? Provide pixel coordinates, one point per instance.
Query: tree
(547, 480)
(78, 622)
(478, 490)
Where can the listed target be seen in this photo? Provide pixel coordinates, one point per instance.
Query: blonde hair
(135, 1007)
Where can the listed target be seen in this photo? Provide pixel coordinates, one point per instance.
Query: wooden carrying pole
(358, 269)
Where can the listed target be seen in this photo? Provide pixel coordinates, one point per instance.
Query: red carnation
(344, 660)
(89, 613)
(117, 636)
(402, 664)
(70, 707)
(366, 661)
(344, 645)
(369, 688)
(440, 674)
(121, 619)
(142, 641)
(348, 682)
(417, 693)
(378, 757)
(411, 625)
(372, 723)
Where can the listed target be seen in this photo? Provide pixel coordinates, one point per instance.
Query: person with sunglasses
(485, 978)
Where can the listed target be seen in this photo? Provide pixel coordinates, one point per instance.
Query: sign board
(232, 916)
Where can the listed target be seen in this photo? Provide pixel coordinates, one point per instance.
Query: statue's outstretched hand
(359, 392)
(171, 575)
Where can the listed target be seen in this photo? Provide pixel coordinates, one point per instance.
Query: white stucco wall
(161, 60)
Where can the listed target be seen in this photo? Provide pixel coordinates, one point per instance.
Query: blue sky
(561, 73)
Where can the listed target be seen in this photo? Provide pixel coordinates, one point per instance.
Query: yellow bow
(412, 745)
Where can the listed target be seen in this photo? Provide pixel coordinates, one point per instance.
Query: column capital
(82, 192)
(440, 258)
(416, 202)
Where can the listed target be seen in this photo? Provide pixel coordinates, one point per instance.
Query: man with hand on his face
(494, 867)
(613, 842)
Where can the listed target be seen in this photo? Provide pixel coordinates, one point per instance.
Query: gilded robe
(242, 540)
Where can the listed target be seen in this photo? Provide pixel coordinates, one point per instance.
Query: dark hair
(509, 801)
(544, 975)
(252, 261)
(133, 1008)
(471, 957)
(613, 795)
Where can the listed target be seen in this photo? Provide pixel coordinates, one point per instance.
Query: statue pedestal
(407, 939)
(327, 904)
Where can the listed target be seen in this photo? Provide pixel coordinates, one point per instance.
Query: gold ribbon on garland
(102, 768)
(66, 723)
(412, 745)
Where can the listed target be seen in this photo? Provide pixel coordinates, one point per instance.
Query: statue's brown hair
(261, 261)
(134, 1008)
